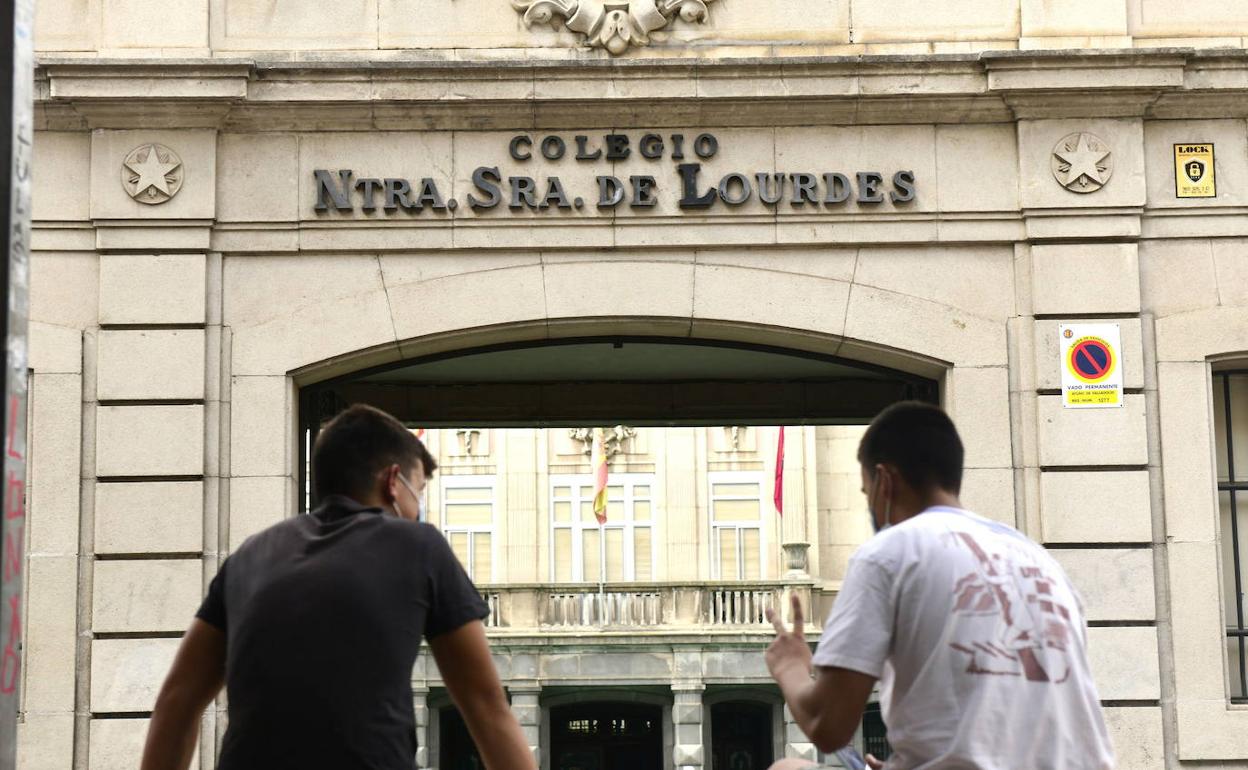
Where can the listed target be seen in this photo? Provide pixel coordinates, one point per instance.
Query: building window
(468, 523)
(737, 547)
(620, 550)
(1230, 397)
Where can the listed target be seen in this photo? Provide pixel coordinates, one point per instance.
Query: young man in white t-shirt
(975, 633)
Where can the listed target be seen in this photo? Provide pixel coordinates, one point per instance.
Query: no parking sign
(1091, 365)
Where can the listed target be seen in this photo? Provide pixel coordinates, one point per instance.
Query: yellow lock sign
(1193, 171)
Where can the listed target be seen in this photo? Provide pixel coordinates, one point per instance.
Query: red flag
(778, 495)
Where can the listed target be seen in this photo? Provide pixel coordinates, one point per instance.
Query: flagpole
(777, 497)
(602, 584)
(777, 494)
(598, 462)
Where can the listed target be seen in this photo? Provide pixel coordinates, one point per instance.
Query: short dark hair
(920, 440)
(357, 444)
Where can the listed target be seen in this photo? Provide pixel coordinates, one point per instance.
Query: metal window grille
(874, 733)
(1231, 398)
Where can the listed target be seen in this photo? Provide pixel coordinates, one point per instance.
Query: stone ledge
(337, 93)
(212, 79)
(251, 238)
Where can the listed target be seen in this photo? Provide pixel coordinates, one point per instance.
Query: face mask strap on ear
(888, 508)
(420, 502)
(394, 504)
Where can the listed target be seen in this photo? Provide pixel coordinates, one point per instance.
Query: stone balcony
(671, 608)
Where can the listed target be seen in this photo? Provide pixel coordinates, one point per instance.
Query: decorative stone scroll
(612, 24)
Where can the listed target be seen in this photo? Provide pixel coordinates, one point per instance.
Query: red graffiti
(13, 553)
(12, 453)
(11, 665)
(15, 497)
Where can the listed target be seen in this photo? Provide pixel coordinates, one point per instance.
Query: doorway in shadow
(606, 735)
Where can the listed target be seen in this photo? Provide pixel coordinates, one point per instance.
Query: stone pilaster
(687, 750)
(795, 540)
(517, 454)
(525, 704)
(420, 706)
(796, 744)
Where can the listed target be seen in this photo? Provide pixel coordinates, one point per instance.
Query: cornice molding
(1116, 224)
(348, 94)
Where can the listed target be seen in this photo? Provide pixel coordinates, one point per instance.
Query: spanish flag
(598, 461)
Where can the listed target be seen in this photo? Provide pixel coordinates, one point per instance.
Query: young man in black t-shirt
(313, 626)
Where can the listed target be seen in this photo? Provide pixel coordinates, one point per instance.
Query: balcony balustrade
(641, 606)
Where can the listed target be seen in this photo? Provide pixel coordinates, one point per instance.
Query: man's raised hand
(789, 648)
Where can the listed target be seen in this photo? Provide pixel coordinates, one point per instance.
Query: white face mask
(888, 509)
(420, 500)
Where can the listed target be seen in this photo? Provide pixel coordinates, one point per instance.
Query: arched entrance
(666, 593)
(641, 381)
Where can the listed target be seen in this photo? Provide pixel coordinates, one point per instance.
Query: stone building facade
(674, 586)
(248, 212)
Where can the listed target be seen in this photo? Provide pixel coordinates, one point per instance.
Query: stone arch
(590, 694)
(351, 314)
(357, 312)
(722, 694)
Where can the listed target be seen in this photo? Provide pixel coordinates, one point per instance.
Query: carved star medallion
(1082, 163)
(152, 173)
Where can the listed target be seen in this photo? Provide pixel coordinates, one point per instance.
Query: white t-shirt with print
(979, 642)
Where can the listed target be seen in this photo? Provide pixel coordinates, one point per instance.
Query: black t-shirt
(324, 616)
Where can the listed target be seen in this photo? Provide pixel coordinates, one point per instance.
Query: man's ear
(389, 483)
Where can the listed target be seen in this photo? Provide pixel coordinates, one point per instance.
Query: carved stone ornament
(152, 173)
(1082, 163)
(795, 559)
(468, 440)
(612, 24)
(614, 439)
